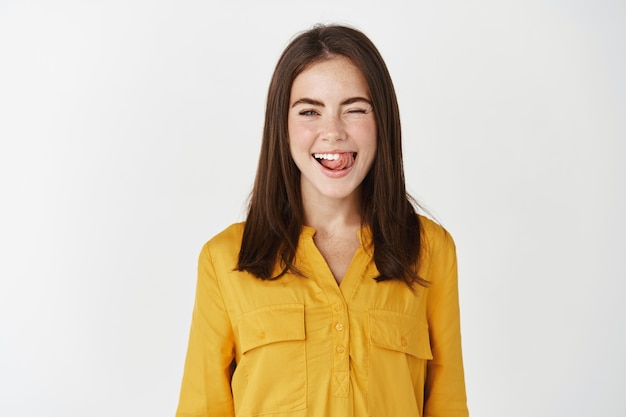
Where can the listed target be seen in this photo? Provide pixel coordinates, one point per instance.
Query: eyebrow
(312, 102)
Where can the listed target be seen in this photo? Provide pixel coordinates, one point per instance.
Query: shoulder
(228, 237)
(437, 246)
(225, 245)
(433, 233)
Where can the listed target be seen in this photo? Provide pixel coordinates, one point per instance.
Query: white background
(129, 136)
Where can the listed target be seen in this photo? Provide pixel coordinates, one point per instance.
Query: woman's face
(332, 129)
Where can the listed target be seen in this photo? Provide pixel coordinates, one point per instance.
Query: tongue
(346, 160)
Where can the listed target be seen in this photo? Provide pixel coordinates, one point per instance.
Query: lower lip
(331, 173)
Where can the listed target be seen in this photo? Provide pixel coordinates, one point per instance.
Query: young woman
(334, 298)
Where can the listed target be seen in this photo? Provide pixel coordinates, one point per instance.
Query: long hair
(275, 213)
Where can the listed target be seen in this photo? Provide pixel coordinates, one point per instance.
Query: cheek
(297, 142)
(366, 135)
(300, 135)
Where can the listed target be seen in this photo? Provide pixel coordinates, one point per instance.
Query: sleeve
(206, 389)
(445, 382)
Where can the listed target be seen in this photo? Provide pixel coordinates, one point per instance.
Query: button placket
(341, 357)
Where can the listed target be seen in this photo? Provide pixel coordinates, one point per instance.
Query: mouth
(336, 161)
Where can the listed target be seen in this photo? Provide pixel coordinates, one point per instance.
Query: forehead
(337, 75)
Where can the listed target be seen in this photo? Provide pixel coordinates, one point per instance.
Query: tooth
(327, 156)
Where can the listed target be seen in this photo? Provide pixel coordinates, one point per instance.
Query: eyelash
(315, 113)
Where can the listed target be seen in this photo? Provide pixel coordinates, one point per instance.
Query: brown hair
(275, 214)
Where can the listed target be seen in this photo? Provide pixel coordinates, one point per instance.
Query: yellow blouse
(305, 346)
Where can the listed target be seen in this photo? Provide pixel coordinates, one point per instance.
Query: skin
(330, 113)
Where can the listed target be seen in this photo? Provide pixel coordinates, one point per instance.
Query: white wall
(129, 136)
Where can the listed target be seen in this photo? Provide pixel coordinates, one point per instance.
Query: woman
(334, 298)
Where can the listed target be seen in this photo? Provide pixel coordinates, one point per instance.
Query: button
(403, 341)
(340, 348)
(262, 335)
(337, 307)
(339, 327)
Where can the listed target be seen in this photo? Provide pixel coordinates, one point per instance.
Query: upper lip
(334, 151)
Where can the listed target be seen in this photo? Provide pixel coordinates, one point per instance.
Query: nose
(333, 128)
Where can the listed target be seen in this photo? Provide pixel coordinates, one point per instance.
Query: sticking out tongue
(346, 160)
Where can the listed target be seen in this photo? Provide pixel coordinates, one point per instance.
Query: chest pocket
(400, 332)
(271, 374)
(272, 324)
(398, 354)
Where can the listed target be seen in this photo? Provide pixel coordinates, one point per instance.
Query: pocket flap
(271, 324)
(400, 332)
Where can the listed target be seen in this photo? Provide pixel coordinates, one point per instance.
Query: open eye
(308, 113)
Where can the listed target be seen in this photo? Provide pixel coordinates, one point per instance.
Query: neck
(330, 216)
